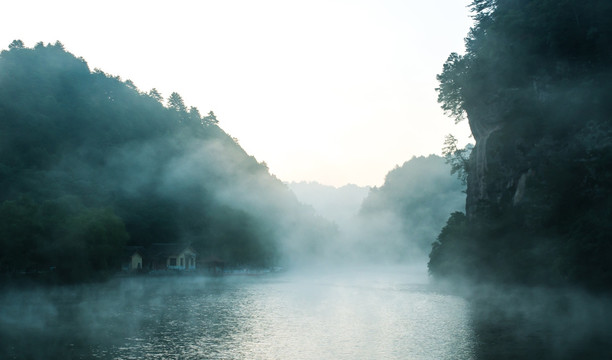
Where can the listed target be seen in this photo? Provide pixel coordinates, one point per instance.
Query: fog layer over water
(320, 314)
(317, 313)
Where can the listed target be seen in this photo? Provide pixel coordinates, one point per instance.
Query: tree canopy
(89, 163)
(534, 84)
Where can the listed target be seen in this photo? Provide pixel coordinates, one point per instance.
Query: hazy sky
(334, 91)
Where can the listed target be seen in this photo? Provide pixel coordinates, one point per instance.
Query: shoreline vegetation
(49, 278)
(534, 84)
(531, 251)
(91, 165)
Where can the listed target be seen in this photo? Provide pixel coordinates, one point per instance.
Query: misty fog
(132, 226)
(346, 313)
(394, 223)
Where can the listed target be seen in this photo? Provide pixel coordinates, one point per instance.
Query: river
(368, 313)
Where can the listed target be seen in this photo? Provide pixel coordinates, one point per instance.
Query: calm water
(357, 314)
(326, 315)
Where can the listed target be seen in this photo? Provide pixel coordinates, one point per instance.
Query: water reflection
(328, 315)
(539, 323)
(336, 316)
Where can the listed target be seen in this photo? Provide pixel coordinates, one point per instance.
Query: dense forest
(89, 164)
(534, 84)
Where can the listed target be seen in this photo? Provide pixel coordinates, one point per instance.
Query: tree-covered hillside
(535, 85)
(89, 163)
(401, 218)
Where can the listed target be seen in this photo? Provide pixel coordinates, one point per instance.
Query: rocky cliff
(534, 84)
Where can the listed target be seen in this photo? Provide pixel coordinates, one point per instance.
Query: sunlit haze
(330, 91)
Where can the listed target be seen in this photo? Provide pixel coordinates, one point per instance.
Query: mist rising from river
(359, 312)
(315, 314)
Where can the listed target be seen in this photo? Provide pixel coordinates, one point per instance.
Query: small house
(171, 256)
(132, 258)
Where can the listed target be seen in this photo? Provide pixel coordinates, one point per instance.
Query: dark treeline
(89, 164)
(535, 85)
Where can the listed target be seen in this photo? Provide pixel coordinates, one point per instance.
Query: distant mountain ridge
(405, 214)
(396, 222)
(338, 204)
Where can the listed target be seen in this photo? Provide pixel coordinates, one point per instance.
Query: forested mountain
(89, 163)
(535, 85)
(394, 223)
(402, 217)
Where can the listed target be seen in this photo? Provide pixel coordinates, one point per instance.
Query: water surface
(327, 314)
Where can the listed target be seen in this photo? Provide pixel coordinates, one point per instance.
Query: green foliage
(518, 47)
(458, 159)
(59, 239)
(16, 44)
(92, 239)
(102, 164)
(449, 253)
(153, 93)
(538, 73)
(451, 84)
(175, 102)
(210, 119)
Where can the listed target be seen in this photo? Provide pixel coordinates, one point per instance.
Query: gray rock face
(484, 121)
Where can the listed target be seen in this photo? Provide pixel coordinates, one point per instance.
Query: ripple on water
(348, 316)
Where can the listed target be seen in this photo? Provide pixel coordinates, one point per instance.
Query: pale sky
(334, 91)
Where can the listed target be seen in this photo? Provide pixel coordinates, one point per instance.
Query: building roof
(129, 251)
